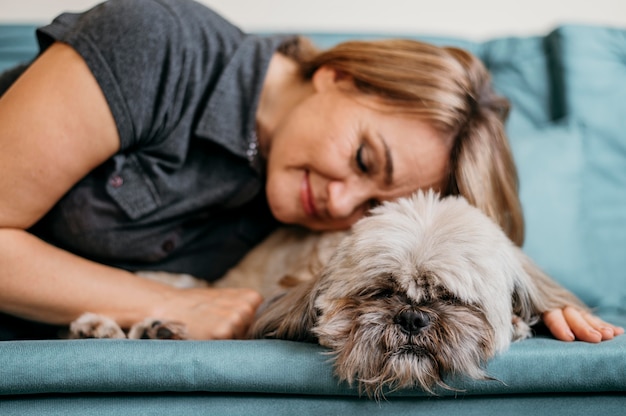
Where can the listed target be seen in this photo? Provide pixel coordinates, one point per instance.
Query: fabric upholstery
(537, 365)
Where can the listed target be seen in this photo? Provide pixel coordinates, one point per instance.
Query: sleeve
(139, 53)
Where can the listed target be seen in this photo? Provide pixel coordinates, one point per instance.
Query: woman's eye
(360, 162)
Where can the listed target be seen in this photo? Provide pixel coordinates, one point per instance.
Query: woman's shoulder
(145, 54)
(138, 21)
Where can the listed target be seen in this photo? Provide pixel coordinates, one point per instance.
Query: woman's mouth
(306, 196)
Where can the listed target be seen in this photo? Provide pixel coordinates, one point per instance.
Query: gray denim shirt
(183, 86)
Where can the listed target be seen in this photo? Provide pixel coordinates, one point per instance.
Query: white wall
(476, 19)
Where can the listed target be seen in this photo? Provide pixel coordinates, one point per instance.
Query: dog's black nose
(412, 321)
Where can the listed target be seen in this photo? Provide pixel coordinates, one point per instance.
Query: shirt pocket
(131, 188)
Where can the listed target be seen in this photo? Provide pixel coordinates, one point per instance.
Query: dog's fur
(422, 288)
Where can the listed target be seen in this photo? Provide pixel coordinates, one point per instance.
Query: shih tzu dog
(421, 288)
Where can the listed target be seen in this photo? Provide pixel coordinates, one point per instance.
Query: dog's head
(422, 288)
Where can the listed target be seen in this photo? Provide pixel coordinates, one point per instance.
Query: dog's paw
(151, 328)
(521, 330)
(91, 325)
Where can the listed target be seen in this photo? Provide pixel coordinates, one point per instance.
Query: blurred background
(473, 19)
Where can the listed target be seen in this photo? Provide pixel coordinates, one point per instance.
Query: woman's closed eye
(365, 166)
(361, 161)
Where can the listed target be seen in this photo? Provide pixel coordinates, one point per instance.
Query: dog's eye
(383, 293)
(377, 293)
(448, 297)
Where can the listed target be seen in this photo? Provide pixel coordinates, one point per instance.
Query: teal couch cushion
(551, 163)
(537, 365)
(520, 70)
(593, 62)
(18, 45)
(567, 133)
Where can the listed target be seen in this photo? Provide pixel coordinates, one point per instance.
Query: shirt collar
(229, 117)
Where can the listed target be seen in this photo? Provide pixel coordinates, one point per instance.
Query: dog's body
(421, 288)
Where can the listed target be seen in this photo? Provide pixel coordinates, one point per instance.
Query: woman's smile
(306, 196)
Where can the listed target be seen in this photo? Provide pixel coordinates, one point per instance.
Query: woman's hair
(451, 90)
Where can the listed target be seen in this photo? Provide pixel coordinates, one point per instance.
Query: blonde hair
(448, 88)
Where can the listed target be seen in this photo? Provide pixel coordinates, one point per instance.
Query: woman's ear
(327, 77)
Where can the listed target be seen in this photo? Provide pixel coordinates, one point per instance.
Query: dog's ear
(535, 292)
(289, 315)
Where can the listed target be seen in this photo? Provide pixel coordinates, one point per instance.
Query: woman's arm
(44, 283)
(55, 127)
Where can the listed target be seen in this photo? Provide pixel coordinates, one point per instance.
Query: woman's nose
(345, 201)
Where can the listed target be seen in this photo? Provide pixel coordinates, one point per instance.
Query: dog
(421, 288)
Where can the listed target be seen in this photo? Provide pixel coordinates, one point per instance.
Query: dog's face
(421, 288)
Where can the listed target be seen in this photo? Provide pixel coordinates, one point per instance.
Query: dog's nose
(412, 321)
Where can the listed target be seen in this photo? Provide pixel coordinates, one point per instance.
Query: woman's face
(337, 153)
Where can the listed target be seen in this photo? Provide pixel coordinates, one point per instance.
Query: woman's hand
(212, 313)
(571, 323)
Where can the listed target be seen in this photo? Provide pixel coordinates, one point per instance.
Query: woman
(155, 135)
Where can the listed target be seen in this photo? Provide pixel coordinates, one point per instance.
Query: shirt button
(168, 246)
(116, 181)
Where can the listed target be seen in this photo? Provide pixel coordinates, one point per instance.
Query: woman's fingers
(572, 323)
(558, 326)
(580, 326)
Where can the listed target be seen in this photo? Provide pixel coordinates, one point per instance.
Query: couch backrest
(568, 134)
(18, 45)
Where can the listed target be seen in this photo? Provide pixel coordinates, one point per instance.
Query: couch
(568, 133)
